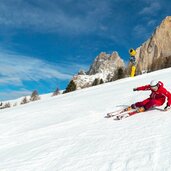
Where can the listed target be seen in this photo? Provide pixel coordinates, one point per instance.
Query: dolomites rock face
(157, 46)
(103, 68)
(106, 63)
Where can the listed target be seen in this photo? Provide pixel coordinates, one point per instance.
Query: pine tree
(101, 81)
(7, 105)
(120, 73)
(95, 82)
(71, 87)
(24, 100)
(34, 96)
(56, 92)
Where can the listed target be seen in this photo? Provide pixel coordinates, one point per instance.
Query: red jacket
(160, 94)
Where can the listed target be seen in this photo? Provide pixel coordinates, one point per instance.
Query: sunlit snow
(69, 132)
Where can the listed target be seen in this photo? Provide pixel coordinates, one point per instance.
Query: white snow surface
(69, 132)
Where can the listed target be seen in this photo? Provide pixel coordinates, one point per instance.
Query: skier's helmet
(154, 83)
(132, 52)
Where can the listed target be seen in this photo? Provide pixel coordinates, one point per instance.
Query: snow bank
(69, 132)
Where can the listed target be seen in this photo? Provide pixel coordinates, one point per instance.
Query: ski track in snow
(69, 132)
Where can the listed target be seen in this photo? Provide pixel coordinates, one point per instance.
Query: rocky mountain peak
(166, 22)
(106, 63)
(103, 69)
(157, 46)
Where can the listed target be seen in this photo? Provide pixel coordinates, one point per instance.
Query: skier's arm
(168, 95)
(143, 88)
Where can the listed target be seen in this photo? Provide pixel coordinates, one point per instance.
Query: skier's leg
(140, 104)
(152, 103)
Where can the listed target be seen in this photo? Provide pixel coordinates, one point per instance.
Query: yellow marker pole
(133, 69)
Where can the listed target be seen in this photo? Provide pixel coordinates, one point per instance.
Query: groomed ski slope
(69, 132)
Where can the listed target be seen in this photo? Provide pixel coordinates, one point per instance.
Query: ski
(120, 117)
(129, 113)
(133, 112)
(111, 114)
(125, 114)
(117, 112)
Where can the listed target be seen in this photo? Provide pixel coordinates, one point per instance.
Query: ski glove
(135, 89)
(167, 107)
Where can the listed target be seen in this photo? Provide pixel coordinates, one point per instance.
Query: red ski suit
(157, 98)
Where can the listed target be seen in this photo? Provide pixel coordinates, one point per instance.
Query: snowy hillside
(18, 101)
(69, 132)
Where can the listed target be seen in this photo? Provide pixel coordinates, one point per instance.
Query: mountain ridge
(153, 54)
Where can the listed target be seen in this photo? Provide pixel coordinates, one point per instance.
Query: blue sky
(44, 43)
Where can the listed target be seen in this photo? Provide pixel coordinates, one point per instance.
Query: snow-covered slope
(69, 132)
(17, 102)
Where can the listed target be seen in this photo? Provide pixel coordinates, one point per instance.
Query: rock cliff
(157, 46)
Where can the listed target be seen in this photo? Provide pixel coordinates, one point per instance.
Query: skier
(157, 98)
